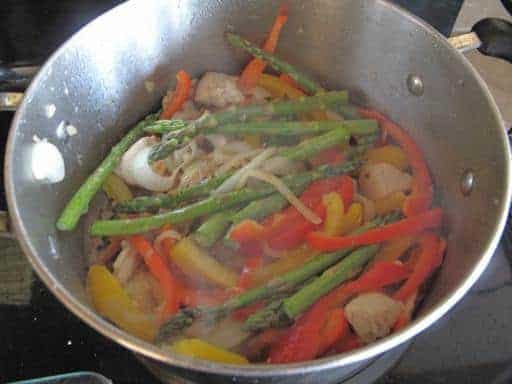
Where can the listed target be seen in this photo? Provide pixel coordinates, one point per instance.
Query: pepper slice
(408, 226)
(253, 70)
(183, 86)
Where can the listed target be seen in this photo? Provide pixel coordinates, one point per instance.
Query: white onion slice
(287, 194)
(134, 168)
(234, 180)
(169, 234)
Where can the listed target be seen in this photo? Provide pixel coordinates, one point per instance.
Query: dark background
(43, 338)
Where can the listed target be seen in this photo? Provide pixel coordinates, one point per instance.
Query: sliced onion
(126, 263)
(234, 180)
(237, 160)
(281, 166)
(287, 194)
(135, 169)
(169, 234)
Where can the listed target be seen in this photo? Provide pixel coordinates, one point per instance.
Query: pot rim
(91, 318)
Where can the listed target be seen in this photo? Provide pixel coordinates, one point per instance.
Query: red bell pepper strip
(349, 343)
(422, 189)
(332, 156)
(253, 70)
(290, 224)
(408, 226)
(335, 328)
(428, 260)
(183, 85)
(252, 263)
(247, 230)
(302, 341)
(159, 268)
(296, 233)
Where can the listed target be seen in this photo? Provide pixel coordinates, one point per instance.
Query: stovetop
(472, 344)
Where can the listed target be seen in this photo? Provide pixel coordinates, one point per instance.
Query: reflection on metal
(467, 182)
(415, 85)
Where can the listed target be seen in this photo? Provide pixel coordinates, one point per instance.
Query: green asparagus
(311, 147)
(79, 203)
(213, 228)
(160, 127)
(210, 205)
(247, 113)
(293, 306)
(276, 63)
(295, 128)
(173, 199)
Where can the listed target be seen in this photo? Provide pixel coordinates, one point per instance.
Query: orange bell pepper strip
(408, 226)
(181, 94)
(422, 189)
(429, 259)
(302, 341)
(159, 268)
(253, 70)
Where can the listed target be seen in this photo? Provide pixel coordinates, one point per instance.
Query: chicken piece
(144, 290)
(126, 263)
(189, 111)
(372, 315)
(218, 90)
(197, 171)
(379, 180)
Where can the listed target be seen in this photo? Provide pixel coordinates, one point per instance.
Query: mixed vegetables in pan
(260, 218)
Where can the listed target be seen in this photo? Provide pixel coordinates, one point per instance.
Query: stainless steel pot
(98, 82)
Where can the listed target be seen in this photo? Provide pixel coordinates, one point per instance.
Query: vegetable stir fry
(260, 218)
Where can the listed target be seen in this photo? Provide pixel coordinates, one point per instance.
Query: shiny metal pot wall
(98, 81)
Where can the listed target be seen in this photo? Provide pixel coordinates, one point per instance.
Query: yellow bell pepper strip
(387, 204)
(335, 211)
(202, 350)
(337, 222)
(289, 260)
(116, 189)
(112, 302)
(393, 249)
(390, 154)
(253, 140)
(196, 262)
(279, 89)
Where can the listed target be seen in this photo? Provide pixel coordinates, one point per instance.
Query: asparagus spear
(311, 147)
(210, 205)
(276, 63)
(173, 199)
(275, 288)
(160, 127)
(213, 228)
(247, 113)
(291, 307)
(348, 111)
(79, 203)
(295, 128)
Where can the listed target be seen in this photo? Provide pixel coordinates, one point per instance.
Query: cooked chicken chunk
(379, 180)
(372, 315)
(218, 90)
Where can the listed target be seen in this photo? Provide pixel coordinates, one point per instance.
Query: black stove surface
(43, 338)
